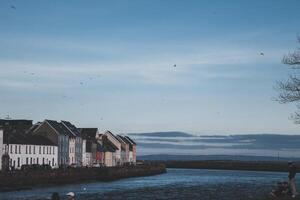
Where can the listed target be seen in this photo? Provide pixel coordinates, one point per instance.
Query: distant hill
(166, 157)
(163, 134)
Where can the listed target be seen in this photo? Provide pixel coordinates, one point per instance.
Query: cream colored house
(113, 139)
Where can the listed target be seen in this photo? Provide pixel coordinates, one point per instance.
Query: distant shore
(20, 180)
(274, 166)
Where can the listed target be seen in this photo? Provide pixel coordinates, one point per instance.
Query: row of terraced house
(61, 144)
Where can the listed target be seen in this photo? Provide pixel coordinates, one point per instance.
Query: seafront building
(89, 145)
(61, 144)
(124, 149)
(114, 140)
(31, 150)
(75, 144)
(108, 149)
(59, 135)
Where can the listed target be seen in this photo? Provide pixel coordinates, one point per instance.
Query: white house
(72, 141)
(32, 150)
(124, 149)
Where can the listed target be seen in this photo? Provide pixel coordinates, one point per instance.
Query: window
(18, 162)
(37, 160)
(31, 161)
(14, 165)
(26, 161)
(29, 149)
(19, 149)
(33, 149)
(16, 149)
(52, 161)
(43, 150)
(40, 150)
(47, 149)
(11, 149)
(26, 149)
(43, 161)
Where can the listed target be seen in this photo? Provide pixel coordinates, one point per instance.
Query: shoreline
(26, 180)
(271, 166)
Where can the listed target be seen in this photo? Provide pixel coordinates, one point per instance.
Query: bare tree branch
(289, 90)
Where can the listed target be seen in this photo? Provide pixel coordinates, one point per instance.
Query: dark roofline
(66, 124)
(88, 133)
(112, 134)
(60, 125)
(130, 140)
(119, 137)
(126, 140)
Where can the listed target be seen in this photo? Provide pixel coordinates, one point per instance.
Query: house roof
(72, 128)
(108, 145)
(88, 133)
(33, 128)
(14, 127)
(39, 140)
(120, 138)
(130, 140)
(29, 139)
(59, 127)
(108, 132)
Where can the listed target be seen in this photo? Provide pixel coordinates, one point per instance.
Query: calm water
(175, 178)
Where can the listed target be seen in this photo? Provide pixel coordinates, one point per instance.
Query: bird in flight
(262, 54)
(174, 65)
(13, 7)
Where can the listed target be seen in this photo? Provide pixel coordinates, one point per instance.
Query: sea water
(139, 187)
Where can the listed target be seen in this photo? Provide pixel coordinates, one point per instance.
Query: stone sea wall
(17, 180)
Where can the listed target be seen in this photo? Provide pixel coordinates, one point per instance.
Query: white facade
(72, 142)
(131, 159)
(1, 147)
(89, 159)
(27, 154)
(84, 157)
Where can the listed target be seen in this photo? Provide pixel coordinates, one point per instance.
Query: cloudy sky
(110, 64)
(187, 145)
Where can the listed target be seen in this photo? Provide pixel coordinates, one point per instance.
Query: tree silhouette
(289, 90)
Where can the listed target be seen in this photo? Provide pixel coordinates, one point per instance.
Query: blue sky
(109, 64)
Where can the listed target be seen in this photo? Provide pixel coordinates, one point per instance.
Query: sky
(187, 145)
(110, 64)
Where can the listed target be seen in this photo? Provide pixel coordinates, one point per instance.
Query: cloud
(65, 60)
